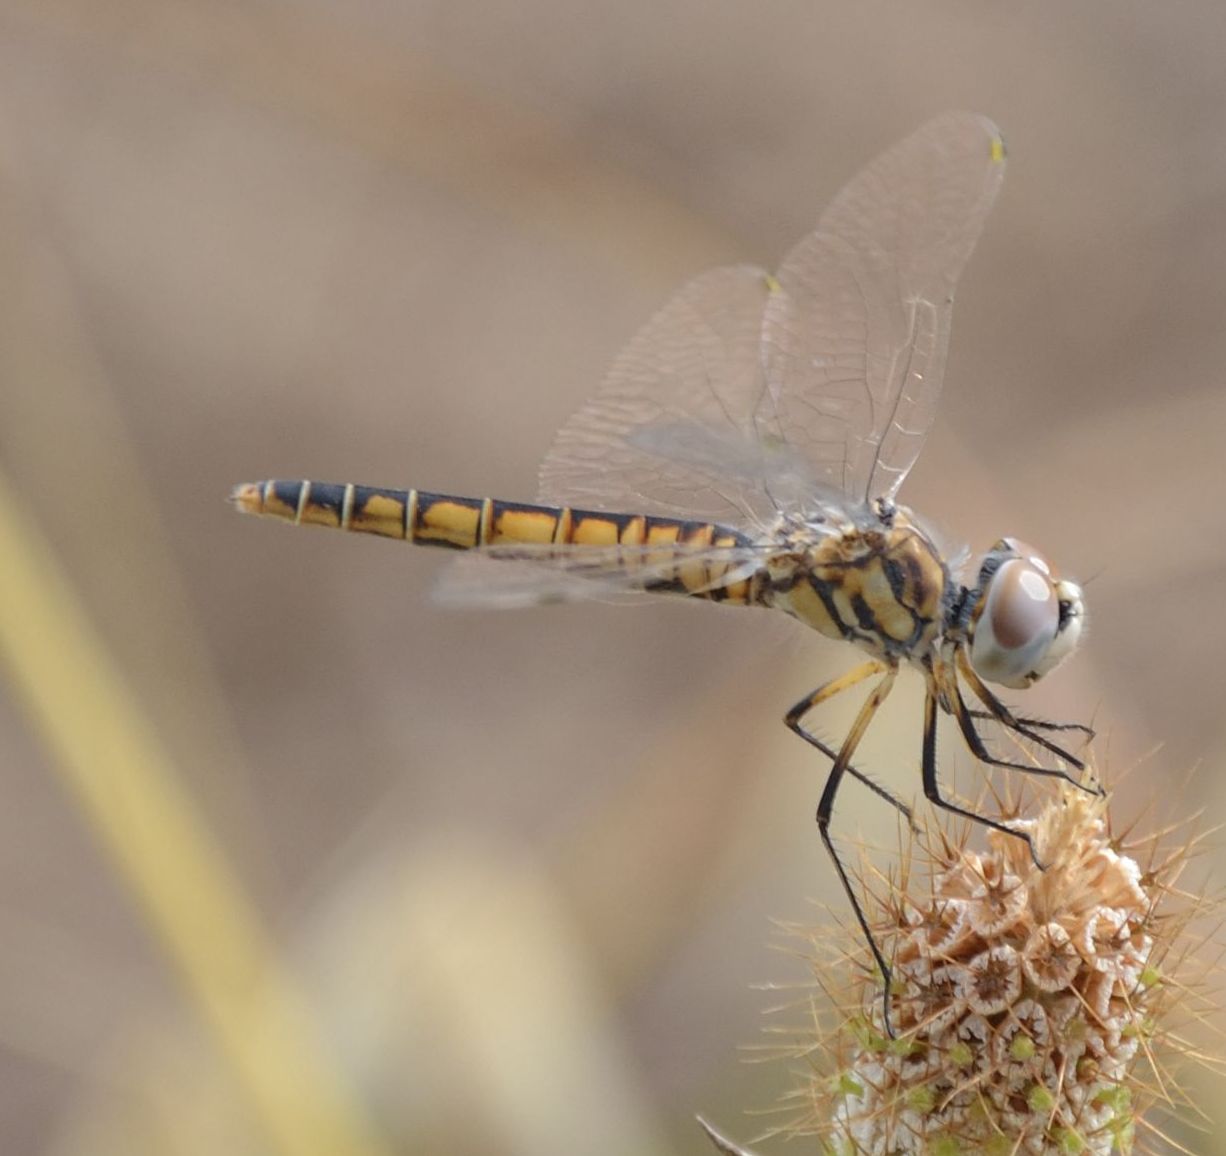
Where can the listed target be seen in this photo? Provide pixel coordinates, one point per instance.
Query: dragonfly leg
(1040, 724)
(825, 692)
(1001, 713)
(932, 788)
(825, 807)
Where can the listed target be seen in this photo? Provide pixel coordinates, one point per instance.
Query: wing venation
(749, 395)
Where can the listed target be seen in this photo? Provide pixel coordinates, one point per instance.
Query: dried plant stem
(112, 765)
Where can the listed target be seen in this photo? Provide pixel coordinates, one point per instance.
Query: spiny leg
(932, 788)
(998, 711)
(1002, 714)
(979, 749)
(1005, 717)
(825, 809)
(874, 786)
(1034, 723)
(824, 693)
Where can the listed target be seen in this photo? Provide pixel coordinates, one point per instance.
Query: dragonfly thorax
(881, 585)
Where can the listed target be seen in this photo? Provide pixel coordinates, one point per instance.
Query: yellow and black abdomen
(466, 523)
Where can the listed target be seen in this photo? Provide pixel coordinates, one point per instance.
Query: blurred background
(327, 868)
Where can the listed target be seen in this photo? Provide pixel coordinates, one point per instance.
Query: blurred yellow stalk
(115, 769)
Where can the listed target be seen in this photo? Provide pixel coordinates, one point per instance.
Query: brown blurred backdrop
(524, 866)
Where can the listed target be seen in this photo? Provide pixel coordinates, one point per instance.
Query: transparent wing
(672, 428)
(516, 575)
(746, 394)
(856, 332)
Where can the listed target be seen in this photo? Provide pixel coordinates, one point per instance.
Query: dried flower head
(1030, 1005)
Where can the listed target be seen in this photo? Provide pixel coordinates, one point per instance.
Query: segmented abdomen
(460, 523)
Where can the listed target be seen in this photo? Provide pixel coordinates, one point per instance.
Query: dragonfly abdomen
(462, 523)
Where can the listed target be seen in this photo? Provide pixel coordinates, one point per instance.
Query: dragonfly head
(1025, 620)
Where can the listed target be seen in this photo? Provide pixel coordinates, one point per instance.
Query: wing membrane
(518, 574)
(671, 430)
(747, 395)
(856, 335)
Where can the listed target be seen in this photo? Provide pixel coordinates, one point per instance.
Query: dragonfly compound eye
(1018, 624)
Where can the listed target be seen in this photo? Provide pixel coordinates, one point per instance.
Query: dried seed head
(1028, 1003)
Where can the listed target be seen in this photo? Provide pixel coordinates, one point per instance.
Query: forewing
(516, 574)
(856, 331)
(672, 428)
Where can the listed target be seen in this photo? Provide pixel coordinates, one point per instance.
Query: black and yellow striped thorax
(881, 586)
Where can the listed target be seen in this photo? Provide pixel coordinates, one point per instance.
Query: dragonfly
(747, 447)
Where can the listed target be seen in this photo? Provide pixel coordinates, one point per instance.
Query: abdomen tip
(248, 497)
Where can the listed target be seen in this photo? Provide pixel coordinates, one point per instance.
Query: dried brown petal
(934, 997)
(942, 929)
(1049, 958)
(997, 905)
(992, 980)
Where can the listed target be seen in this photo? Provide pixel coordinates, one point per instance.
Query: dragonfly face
(1024, 620)
(747, 447)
